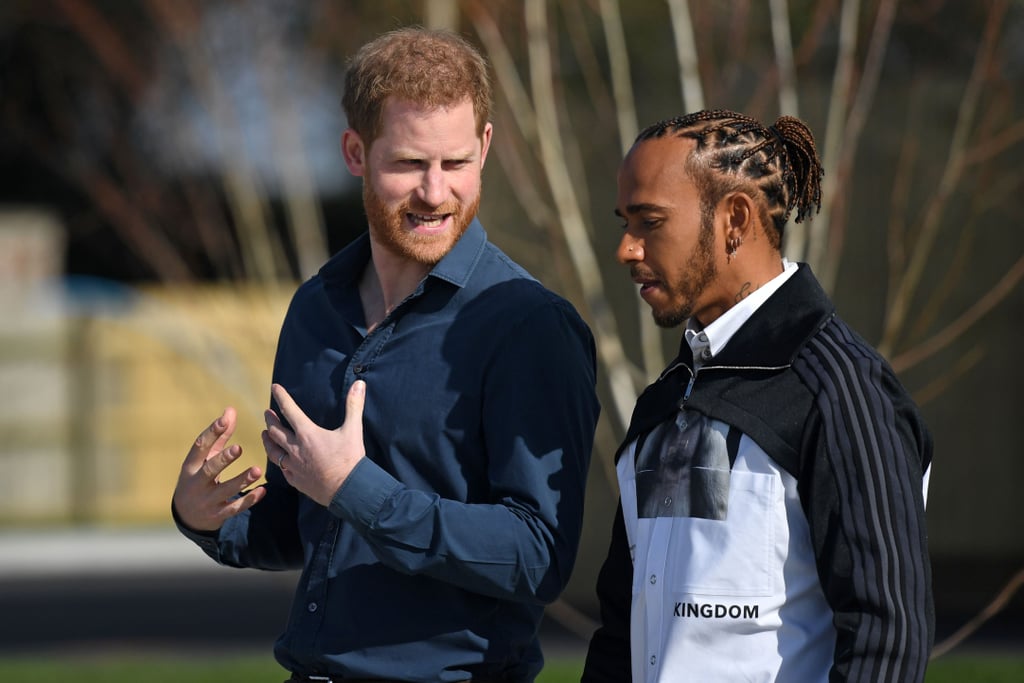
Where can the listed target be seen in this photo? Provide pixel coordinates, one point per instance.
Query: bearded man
(772, 481)
(426, 463)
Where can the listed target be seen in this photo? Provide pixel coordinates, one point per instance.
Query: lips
(647, 281)
(428, 222)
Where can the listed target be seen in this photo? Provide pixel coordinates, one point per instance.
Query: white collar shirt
(708, 342)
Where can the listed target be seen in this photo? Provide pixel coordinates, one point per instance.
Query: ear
(485, 143)
(740, 215)
(354, 151)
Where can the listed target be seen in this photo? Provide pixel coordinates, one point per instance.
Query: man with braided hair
(773, 478)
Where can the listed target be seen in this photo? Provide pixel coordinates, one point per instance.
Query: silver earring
(732, 245)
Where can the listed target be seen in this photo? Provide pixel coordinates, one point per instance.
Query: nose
(433, 186)
(630, 250)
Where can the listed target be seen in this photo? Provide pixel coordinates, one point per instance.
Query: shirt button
(654, 579)
(311, 607)
(654, 660)
(668, 500)
(705, 354)
(703, 337)
(359, 369)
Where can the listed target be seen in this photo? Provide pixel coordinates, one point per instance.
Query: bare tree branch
(809, 43)
(939, 293)
(842, 85)
(788, 101)
(586, 57)
(974, 624)
(899, 304)
(523, 183)
(302, 207)
(580, 248)
(148, 244)
(504, 69)
(686, 54)
(783, 42)
(622, 81)
(939, 385)
(896, 233)
(963, 322)
(622, 86)
(828, 259)
(118, 60)
(984, 151)
(441, 13)
(262, 252)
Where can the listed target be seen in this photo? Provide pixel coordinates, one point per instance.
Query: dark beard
(702, 265)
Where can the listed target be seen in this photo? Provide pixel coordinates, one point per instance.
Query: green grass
(977, 669)
(260, 669)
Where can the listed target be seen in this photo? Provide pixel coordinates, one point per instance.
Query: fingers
(238, 505)
(240, 482)
(290, 410)
(212, 438)
(201, 500)
(204, 504)
(274, 452)
(245, 502)
(219, 461)
(275, 436)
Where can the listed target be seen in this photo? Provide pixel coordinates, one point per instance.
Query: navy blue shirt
(436, 557)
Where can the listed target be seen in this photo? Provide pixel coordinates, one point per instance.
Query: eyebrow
(637, 208)
(465, 154)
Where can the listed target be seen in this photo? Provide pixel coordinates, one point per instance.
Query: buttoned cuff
(361, 497)
(206, 540)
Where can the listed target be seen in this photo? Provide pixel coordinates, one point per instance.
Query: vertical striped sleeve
(866, 510)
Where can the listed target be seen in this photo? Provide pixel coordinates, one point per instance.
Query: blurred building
(103, 386)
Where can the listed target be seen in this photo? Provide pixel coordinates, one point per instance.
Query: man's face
(668, 245)
(421, 178)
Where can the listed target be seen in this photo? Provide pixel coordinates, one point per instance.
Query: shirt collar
(458, 264)
(708, 342)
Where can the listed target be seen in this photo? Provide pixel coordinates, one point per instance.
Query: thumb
(354, 403)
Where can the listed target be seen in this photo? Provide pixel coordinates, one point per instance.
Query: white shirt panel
(733, 599)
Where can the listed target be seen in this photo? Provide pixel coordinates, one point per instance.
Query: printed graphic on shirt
(683, 470)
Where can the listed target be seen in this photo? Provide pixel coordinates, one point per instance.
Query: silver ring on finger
(280, 461)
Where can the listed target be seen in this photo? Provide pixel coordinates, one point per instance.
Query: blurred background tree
(185, 142)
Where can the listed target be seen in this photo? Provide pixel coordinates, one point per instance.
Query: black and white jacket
(771, 524)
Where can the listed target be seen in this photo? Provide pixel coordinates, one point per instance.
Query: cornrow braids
(737, 152)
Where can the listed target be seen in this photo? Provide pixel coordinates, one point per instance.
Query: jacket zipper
(689, 389)
(694, 373)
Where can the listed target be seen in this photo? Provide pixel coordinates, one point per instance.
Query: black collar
(769, 340)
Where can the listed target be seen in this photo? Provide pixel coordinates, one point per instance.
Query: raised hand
(203, 502)
(314, 460)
